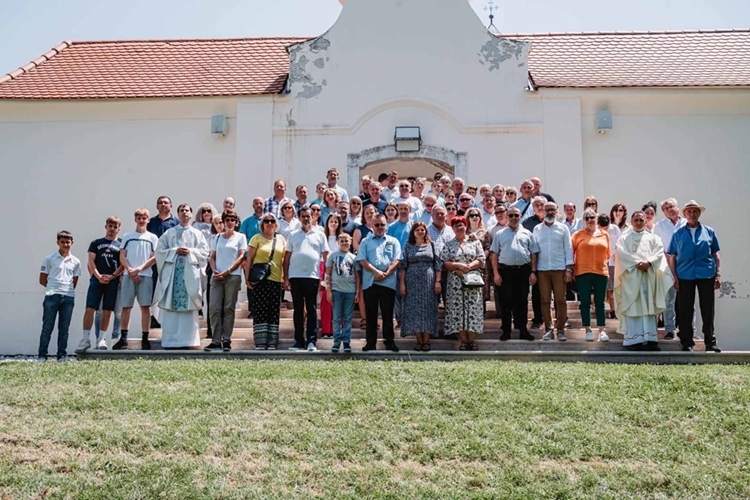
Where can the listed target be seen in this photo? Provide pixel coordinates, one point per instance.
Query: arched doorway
(422, 163)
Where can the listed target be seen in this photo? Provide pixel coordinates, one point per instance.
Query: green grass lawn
(237, 429)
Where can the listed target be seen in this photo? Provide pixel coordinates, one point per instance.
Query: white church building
(92, 129)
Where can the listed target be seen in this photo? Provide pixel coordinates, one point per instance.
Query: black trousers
(536, 303)
(382, 297)
(209, 273)
(304, 297)
(706, 300)
(249, 301)
(514, 295)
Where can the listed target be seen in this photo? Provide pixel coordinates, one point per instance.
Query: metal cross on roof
(492, 7)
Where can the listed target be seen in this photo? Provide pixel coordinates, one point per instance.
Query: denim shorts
(143, 290)
(106, 295)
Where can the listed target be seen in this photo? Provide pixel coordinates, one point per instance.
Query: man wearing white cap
(694, 260)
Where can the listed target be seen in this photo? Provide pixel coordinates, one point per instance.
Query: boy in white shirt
(342, 279)
(137, 256)
(59, 276)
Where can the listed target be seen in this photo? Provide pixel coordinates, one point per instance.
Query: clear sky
(29, 28)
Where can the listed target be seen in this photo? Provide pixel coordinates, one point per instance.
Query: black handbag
(261, 271)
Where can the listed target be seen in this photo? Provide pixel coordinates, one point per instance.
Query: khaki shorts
(144, 290)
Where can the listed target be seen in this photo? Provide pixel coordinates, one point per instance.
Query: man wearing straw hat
(694, 260)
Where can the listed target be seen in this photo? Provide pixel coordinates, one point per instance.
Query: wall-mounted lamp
(603, 120)
(408, 139)
(219, 125)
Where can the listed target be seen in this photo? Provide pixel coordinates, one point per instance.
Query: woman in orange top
(591, 253)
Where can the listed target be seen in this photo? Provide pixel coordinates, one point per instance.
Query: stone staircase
(242, 338)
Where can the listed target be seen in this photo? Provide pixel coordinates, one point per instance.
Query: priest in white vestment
(181, 253)
(642, 279)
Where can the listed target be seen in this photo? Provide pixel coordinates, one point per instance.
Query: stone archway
(355, 162)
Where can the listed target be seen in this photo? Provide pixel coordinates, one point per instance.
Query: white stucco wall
(70, 165)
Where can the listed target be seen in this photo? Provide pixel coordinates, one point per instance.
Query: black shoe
(368, 347)
(213, 346)
(227, 346)
(391, 346)
(155, 323)
(535, 325)
(526, 336)
(200, 313)
(612, 315)
(669, 336)
(249, 315)
(121, 345)
(145, 345)
(298, 346)
(660, 323)
(505, 336)
(687, 349)
(714, 348)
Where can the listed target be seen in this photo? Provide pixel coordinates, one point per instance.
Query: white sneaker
(102, 345)
(589, 335)
(83, 346)
(550, 335)
(603, 337)
(311, 347)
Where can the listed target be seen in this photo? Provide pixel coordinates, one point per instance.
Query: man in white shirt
(488, 212)
(333, 177)
(137, 256)
(59, 276)
(390, 189)
(304, 251)
(553, 265)
(404, 196)
(664, 229)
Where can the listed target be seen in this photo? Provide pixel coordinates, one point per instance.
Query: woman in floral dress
(463, 309)
(420, 271)
(478, 232)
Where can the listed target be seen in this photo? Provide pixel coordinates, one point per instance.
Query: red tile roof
(249, 66)
(153, 68)
(643, 59)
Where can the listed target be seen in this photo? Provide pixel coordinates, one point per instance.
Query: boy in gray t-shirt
(342, 279)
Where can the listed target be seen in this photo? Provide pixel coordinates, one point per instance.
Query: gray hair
(203, 206)
(538, 198)
(673, 201)
(589, 211)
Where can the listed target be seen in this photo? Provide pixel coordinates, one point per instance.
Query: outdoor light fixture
(219, 125)
(603, 120)
(408, 139)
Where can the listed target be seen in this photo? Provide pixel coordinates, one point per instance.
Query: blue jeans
(53, 306)
(343, 311)
(669, 312)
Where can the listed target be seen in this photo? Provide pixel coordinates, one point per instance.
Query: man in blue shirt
(158, 225)
(379, 256)
(694, 260)
(400, 230)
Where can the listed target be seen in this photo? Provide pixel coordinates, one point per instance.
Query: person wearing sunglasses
(591, 255)
(510, 255)
(288, 222)
(477, 232)
(379, 255)
(266, 247)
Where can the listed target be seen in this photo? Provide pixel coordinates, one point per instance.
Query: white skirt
(180, 329)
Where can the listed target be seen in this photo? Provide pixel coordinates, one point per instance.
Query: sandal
(472, 347)
(426, 347)
(418, 347)
(463, 346)
(362, 323)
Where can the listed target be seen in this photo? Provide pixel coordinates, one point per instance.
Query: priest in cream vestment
(181, 253)
(642, 279)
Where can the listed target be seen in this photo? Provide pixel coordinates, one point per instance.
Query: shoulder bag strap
(273, 249)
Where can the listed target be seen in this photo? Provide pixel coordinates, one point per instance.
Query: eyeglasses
(288, 208)
(267, 221)
(514, 216)
(590, 204)
(474, 216)
(451, 209)
(207, 211)
(501, 212)
(379, 225)
(622, 209)
(230, 219)
(589, 217)
(315, 210)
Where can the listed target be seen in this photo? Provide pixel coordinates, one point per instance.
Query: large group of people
(397, 250)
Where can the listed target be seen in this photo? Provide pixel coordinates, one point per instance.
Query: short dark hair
(162, 197)
(603, 220)
(64, 235)
(304, 208)
(183, 205)
(382, 177)
(229, 214)
(649, 204)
